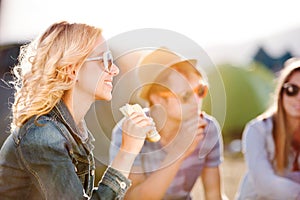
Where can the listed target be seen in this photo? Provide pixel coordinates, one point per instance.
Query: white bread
(128, 109)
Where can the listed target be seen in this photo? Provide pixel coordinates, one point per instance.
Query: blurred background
(247, 41)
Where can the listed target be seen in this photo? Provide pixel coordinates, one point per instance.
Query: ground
(233, 170)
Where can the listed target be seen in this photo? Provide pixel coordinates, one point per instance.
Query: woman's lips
(108, 83)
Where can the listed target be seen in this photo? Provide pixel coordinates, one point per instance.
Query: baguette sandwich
(128, 109)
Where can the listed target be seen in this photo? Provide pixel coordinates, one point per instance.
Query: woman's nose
(115, 70)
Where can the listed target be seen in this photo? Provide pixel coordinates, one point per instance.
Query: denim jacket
(50, 160)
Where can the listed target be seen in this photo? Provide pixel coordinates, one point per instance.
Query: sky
(209, 22)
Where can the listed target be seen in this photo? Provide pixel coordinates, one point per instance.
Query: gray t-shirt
(207, 154)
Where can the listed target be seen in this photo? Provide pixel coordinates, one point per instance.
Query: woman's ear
(71, 71)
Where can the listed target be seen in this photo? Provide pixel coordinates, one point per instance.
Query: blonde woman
(49, 154)
(271, 143)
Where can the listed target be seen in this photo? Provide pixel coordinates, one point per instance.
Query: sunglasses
(290, 89)
(201, 91)
(107, 59)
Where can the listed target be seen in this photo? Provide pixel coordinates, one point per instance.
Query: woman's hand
(135, 127)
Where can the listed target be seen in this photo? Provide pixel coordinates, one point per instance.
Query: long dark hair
(281, 138)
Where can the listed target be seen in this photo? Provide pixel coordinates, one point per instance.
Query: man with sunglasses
(272, 143)
(191, 142)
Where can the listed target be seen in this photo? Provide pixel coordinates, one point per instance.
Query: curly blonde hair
(41, 77)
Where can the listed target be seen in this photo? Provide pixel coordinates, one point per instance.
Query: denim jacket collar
(62, 113)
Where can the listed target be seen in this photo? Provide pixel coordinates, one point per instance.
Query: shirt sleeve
(212, 148)
(266, 183)
(113, 185)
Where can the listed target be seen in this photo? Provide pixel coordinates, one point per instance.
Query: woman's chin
(107, 97)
